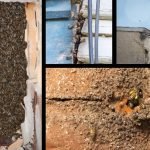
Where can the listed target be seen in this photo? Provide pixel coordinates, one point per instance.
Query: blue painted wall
(58, 35)
(133, 13)
(58, 9)
(58, 42)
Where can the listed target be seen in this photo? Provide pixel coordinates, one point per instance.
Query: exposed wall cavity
(20, 74)
(31, 127)
(13, 65)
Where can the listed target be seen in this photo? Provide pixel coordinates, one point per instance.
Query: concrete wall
(131, 49)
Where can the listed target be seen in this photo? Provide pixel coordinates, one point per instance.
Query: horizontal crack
(69, 99)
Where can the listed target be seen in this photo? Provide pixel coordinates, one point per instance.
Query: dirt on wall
(13, 65)
(82, 109)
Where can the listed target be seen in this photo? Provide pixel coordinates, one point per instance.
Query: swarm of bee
(135, 96)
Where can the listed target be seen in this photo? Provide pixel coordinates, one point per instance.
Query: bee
(93, 133)
(135, 95)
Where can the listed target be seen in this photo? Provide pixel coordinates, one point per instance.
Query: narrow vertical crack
(146, 56)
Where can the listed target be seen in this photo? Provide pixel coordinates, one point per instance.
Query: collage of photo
(74, 75)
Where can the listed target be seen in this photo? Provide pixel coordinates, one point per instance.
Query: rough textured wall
(90, 83)
(130, 49)
(80, 109)
(12, 67)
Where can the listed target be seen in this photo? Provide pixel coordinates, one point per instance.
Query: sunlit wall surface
(133, 13)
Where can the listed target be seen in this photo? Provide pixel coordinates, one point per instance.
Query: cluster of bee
(135, 96)
(76, 27)
(13, 66)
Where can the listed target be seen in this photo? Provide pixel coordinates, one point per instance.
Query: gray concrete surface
(130, 47)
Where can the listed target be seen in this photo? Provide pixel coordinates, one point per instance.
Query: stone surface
(88, 83)
(80, 114)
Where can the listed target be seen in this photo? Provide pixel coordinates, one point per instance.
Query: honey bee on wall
(135, 96)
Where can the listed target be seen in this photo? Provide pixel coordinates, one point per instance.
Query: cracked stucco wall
(131, 49)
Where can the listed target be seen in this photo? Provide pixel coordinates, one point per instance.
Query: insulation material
(31, 128)
(12, 68)
(28, 126)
